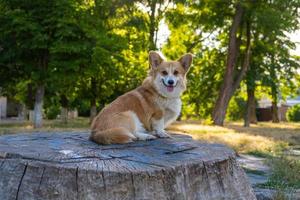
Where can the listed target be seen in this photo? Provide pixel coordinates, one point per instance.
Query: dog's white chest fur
(171, 108)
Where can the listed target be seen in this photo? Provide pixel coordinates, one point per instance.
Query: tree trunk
(94, 92)
(152, 25)
(64, 115)
(30, 97)
(31, 115)
(64, 108)
(22, 112)
(275, 116)
(69, 166)
(40, 90)
(250, 116)
(38, 107)
(226, 90)
(274, 92)
(93, 110)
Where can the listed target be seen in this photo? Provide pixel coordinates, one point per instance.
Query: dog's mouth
(170, 88)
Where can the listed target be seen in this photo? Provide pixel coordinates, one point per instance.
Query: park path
(255, 167)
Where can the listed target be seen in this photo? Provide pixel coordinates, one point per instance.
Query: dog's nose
(170, 82)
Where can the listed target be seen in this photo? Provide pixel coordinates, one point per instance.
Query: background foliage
(85, 53)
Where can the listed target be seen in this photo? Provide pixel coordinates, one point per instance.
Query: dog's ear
(155, 59)
(186, 61)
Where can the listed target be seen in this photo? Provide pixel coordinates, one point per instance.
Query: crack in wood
(2, 163)
(207, 177)
(146, 163)
(104, 183)
(232, 162)
(77, 186)
(218, 173)
(42, 176)
(180, 150)
(133, 186)
(31, 139)
(95, 157)
(20, 183)
(102, 148)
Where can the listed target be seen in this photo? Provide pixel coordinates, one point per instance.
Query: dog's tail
(113, 135)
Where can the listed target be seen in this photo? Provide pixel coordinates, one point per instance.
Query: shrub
(236, 109)
(83, 108)
(52, 111)
(293, 113)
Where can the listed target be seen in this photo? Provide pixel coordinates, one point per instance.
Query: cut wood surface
(67, 165)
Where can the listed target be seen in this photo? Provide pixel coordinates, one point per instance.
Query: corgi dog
(143, 113)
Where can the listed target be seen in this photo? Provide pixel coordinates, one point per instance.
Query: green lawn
(80, 123)
(264, 138)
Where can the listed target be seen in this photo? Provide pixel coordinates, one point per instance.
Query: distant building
(264, 108)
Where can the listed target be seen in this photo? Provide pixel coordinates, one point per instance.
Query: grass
(285, 177)
(11, 127)
(263, 139)
(285, 173)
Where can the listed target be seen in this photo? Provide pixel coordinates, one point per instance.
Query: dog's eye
(175, 72)
(165, 73)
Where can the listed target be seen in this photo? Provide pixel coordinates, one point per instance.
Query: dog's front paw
(161, 134)
(143, 136)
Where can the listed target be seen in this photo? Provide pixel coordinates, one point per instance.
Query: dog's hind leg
(114, 135)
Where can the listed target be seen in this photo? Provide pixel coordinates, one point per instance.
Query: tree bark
(275, 116)
(250, 117)
(38, 107)
(64, 115)
(30, 97)
(64, 108)
(94, 92)
(274, 92)
(69, 166)
(40, 90)
(31, 115)
(22, 112)
(152, 24)
(93, 110)
(226, 90)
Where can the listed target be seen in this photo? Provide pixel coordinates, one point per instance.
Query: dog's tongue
(170, 88)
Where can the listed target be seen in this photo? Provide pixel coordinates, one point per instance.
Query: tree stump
(68, 166)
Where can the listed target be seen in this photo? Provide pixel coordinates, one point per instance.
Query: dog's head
(169, 77)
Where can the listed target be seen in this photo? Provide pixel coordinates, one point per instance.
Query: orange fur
(113, 135)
